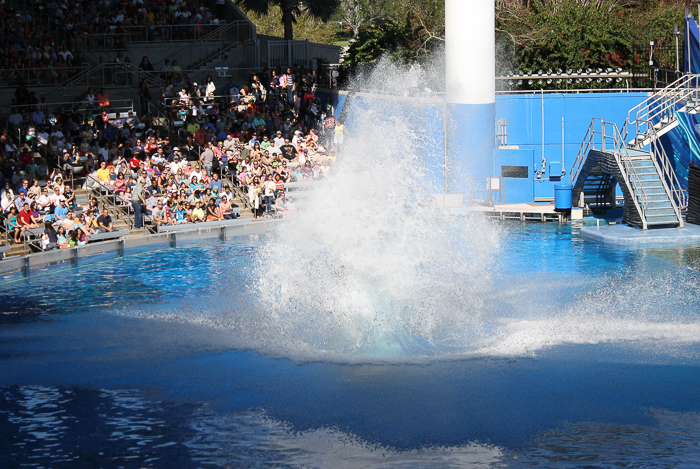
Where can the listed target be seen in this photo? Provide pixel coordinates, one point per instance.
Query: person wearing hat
(279, 140)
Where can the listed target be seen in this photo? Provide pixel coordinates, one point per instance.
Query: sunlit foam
(370, 269)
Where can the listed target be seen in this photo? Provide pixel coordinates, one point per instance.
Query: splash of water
(370, 264)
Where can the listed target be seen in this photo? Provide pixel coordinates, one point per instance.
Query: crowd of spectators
(258, 135)
(45, 46)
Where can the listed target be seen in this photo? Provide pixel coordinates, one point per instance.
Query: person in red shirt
(134, 163)
(25, 216)
(151, 146)
(200, 136)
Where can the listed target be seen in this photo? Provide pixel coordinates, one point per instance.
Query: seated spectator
(212, 211)
(49, 239)
(198, 213)
(104, 222)
(61, 238)
(14, 226)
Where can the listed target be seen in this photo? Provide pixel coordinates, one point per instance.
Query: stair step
(667, 220)
(660, 204)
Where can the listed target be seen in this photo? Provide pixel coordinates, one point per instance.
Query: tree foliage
(535, 34)
(307, 26)
(410, 31)
(561, 34)
(292, 10)
(361, 14)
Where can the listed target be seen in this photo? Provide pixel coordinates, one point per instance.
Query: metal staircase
(652, 193)
(656, 115)
(608, 156)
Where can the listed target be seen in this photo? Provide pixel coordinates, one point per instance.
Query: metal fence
(13, 77)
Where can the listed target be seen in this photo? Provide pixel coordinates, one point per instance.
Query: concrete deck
(520, 211)
(632, 236)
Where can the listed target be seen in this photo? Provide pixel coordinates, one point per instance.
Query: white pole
(470, 57)
(563, 167)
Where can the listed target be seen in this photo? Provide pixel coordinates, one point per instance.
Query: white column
(470, 52)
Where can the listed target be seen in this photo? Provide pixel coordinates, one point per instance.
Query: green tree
(291, 10)
(307, 26)
(410, 31)
(360, 14)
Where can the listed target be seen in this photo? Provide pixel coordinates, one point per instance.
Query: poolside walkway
(632, 236)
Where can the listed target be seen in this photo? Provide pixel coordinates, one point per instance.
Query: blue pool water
(575, 355)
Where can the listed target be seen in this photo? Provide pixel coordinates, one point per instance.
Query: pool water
(580, 355)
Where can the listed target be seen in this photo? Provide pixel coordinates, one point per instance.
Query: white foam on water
(371, 269)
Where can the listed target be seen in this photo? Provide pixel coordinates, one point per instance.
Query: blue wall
(523, 114)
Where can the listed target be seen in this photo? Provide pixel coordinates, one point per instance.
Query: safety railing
(605, 136)
(213, 43)
(107, 75)
(12, 77)
(678, 196)
(661, 108)
(123, 37)
(106, 196)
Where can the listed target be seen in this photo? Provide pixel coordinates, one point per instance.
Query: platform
(520, 211)
(632, 236)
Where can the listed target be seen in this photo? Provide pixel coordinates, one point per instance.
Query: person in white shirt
(279, 139)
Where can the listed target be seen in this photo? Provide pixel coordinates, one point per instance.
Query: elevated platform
(520, 211)
(625, 235)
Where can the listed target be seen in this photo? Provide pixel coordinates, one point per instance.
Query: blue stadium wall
(525, 115)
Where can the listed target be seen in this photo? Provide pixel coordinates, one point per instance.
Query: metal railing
(12, 77)
(213, 43)
(678, 196)
(107, 75)
(661, 108)
(605, 136)
(106, 196)
(120, 38)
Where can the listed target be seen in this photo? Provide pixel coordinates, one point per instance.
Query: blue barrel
(562, 196)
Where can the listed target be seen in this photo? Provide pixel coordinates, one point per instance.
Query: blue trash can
(562, 196)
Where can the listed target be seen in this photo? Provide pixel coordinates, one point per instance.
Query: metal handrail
(610, 136)
(629, 172)
(661, 105)
(210, 37)
(678, 197)
(588, 141)
(108, 197)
